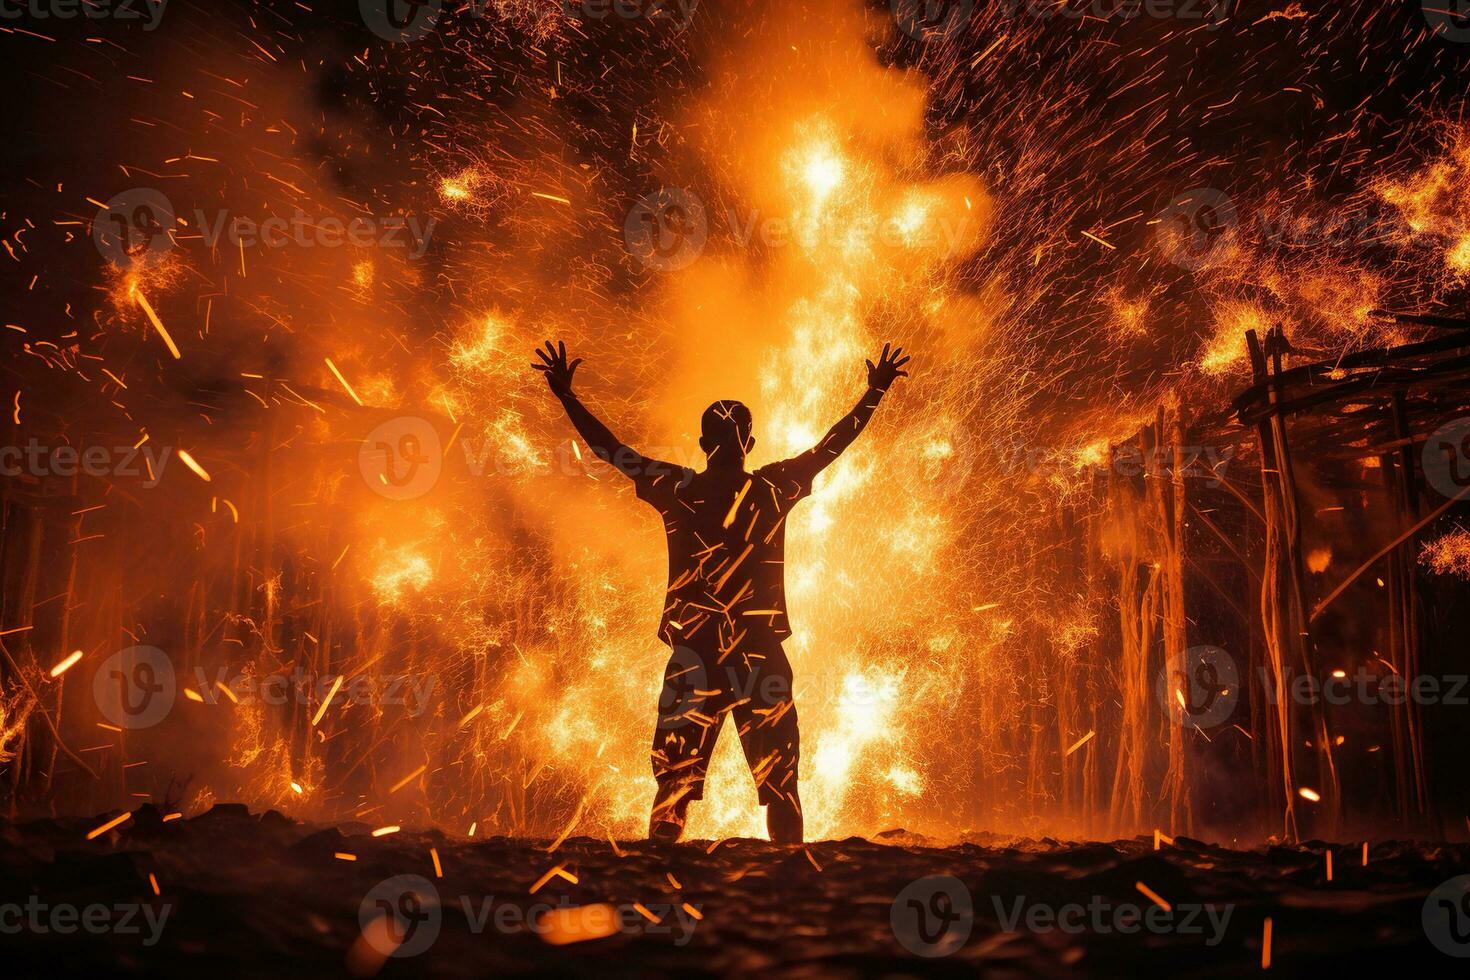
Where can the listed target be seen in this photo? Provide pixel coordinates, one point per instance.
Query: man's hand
(885, 372)
(558, 372)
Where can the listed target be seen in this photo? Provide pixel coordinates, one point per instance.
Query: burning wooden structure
(1301, 560)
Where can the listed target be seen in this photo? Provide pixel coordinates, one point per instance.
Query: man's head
(725, 433)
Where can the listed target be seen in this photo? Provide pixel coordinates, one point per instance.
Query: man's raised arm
(599, 438)
(880, 377)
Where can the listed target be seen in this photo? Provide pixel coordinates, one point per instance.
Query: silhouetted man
(725, 609)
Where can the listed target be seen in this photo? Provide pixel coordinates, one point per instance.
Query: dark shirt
(727, 549)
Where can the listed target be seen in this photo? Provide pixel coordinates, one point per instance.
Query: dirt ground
(230, 893)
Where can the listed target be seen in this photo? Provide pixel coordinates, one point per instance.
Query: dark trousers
(752, 684)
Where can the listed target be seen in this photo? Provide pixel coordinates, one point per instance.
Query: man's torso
(726, 533)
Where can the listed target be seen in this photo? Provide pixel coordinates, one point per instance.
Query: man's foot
(783, 821)
(665, 831)
(666, 823)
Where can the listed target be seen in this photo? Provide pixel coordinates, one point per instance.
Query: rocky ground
(230, 893)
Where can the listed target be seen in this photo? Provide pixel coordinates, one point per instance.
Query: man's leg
(783, 819)
(682, 742)
(670, 810)
(772, 742)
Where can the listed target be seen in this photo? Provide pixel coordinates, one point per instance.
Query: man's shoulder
(658, 479)
(786, 476)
